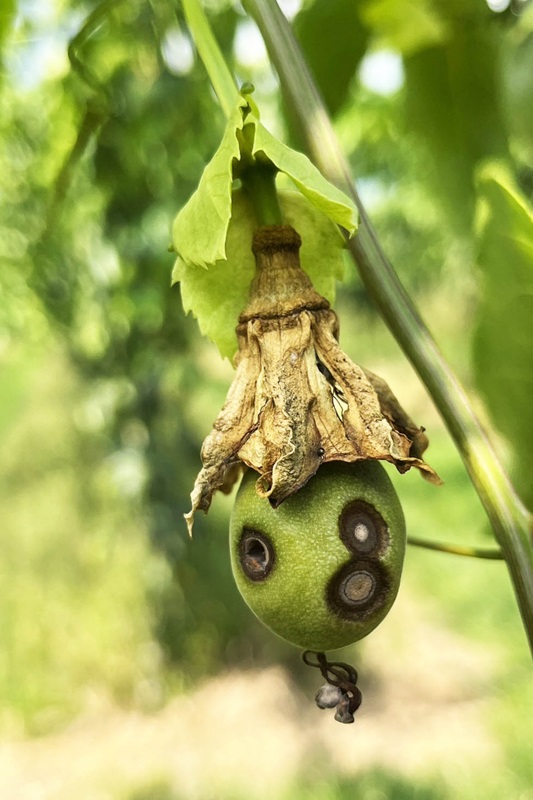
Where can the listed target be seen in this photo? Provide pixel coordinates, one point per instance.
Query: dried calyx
(297, 400)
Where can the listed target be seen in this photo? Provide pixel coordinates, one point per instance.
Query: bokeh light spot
(382, 72)
(177, 52)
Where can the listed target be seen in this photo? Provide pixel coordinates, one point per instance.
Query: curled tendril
(341, 676)
(97, 107)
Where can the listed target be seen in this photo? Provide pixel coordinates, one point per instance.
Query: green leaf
(503, 360)
(199, 230)
(312, 184)
(218, 295)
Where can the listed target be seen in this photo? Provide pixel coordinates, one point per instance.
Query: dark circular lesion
(363, 530)
(358, 589)
(256, 554)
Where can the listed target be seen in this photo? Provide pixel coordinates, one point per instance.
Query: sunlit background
(130, 668)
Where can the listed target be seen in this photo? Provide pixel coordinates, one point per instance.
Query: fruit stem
(259, 183)
(493, 553)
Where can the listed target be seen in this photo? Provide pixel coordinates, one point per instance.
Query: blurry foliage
(502, 344)
(516, 86)
(344, 49)
(72, 612)
(90, 184)
(375, 784)
(7, 13)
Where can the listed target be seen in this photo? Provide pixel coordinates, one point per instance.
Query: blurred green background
(130, 669)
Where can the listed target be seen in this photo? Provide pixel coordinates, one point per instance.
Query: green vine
(209, 51)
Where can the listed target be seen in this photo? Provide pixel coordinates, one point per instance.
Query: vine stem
(206, 44)
(510, 519)
(260, 186)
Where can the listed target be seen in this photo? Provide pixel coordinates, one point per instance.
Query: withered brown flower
(297, 400)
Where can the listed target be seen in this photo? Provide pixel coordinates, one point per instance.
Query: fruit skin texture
(294, 599)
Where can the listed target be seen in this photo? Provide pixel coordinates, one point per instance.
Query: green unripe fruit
(323, 569)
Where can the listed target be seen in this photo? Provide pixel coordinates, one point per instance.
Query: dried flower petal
(297, 400)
